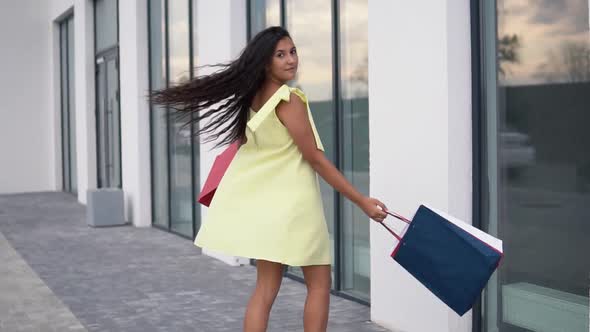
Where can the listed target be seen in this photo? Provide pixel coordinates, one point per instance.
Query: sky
(544, 28)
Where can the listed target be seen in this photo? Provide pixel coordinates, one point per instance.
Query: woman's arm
(294, 116)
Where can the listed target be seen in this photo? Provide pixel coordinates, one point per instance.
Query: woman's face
(283, 66)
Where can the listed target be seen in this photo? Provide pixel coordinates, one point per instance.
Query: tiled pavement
(57, 274)
(26, 303)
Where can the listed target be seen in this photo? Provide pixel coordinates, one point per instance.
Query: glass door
(175, 153)
(108, 120)
(180, 139)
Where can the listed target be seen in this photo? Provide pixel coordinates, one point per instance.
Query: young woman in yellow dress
(268, 205)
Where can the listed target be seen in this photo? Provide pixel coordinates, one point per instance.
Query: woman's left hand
(373, 208)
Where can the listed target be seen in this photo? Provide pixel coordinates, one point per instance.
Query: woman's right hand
(373, 208)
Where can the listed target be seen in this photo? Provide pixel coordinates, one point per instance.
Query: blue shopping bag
(453, 259)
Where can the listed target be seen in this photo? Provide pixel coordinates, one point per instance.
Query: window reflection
(159, 148)
(264, 14)
(541, 102)
(309, 23)
(543, 42)
(106, 24)
(180, 137)
(68, 113)
(311, 26)
(355, 142)
(178, 34)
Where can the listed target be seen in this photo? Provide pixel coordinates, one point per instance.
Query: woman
(268, 204)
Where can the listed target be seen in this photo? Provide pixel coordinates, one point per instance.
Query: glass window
(181, 219)
(102, 129)
(178, 41)
(65, 91)
(175, 164)
(537, 171)
(264, 14)
(195, 36)
(159, 146)
(316, 45)
(113, 122)
(106, 24)
(196, 140)
(107, 95)
(314, 77)
(354, 110)
(68, 110)
(108, 121)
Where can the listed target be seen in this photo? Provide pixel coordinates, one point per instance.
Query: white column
(219, 45)
(85, 96)
(420, 134)
(460, 134)
(135, 135)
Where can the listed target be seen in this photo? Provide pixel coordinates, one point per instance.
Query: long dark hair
(225, 95)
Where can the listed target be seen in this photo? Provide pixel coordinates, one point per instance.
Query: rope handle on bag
(397, 216)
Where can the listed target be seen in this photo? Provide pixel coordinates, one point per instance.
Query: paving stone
(26, 303)
(132, 279)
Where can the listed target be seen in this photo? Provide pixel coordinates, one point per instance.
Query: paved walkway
(26, 303)
(57, 274)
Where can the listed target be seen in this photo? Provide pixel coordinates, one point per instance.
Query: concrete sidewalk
(58, 274)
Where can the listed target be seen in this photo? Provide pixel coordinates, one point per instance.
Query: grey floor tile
(138, 279)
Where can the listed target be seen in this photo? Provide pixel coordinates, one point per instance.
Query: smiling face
(283, 66)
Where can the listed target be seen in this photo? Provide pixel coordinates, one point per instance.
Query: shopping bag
(220, 165)
(451, 258)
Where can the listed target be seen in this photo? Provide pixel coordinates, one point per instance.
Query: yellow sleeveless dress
(268, 204)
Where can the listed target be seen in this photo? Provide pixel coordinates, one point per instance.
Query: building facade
(479, 108)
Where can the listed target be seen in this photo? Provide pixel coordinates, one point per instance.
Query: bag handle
(397, 216)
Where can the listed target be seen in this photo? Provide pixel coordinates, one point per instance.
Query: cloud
(564, 16)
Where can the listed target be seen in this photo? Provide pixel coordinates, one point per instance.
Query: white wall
(134, 85)
(30, 118)
(420, 134)
(57, 8)
(26, 145)
(221, 34)
(85, 96)
(30, 122)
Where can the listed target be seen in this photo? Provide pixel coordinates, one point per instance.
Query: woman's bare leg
(318, 279)
(268, 282)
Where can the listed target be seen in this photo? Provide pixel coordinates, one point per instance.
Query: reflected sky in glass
(354, 223)
(264, 14)
(273, 13)
(543, 41)
(309, 23)
(538, 172)
(178, 34)
(354, 48)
